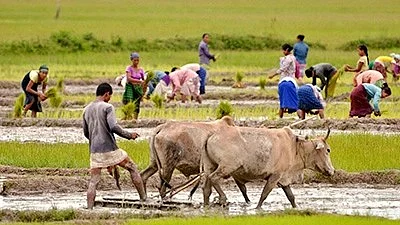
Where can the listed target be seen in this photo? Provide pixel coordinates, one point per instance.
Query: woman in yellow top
(383, 64)
(30, 84)
(362, 63)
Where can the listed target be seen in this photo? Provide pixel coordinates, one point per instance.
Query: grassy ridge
(353, 153)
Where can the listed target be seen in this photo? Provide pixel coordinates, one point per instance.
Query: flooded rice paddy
(356, 200)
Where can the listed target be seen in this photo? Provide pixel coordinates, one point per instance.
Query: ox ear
(320, 145)
(327, 134)
(301, 138)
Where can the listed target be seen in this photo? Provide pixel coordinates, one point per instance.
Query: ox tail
(157, 159)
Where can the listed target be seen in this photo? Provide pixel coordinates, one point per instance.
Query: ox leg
(271, 183)
(148, 172)
(214, 178)
(165, 179)
(194, 190)
(129, 165)
(206, 191)
(93, 182)
(289, 195)
(243, 189)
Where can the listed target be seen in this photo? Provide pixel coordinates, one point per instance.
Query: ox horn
(327, 134)
(302, 121)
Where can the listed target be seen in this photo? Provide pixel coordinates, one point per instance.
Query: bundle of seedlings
(224, 109)
(239, 84)
(158, 100)
(54, 98)
(19, 105)
(128, 110)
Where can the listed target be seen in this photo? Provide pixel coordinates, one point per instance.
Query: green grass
(154, 19)
(283, 217)
(353, 153)
(365, 152)
(60, 155)
(269, 219)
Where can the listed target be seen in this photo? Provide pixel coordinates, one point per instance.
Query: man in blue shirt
(300, 51)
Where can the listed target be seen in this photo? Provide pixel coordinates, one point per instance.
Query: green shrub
(66, 42)
(224, 109)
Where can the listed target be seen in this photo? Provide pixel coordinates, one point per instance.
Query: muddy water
(383, 202)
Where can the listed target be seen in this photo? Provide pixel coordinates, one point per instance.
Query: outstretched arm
(114, 127)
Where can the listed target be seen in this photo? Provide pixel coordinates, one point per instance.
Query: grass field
(353, 153)
(329, 22)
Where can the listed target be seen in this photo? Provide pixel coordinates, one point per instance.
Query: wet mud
(368, 193)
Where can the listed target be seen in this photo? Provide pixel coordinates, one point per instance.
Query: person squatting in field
(310, 101)
(186, 82)
(287, 86)
(383, 64)
(30, 84)
(322, 71)
(134, 85)
(160, 80)
(201, 71)
(362, 95)
(99, 127)
(371, 77)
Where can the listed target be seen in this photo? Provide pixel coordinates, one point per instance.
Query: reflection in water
(383, 202)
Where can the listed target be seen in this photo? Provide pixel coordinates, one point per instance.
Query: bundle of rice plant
(19, 105)
(51, 93)
(55, 101)
(239, 84)
(262, 82)
(224, 109)
(60, 85)
(150, 76)
(332, 82)
(128, 110)
(157, 100)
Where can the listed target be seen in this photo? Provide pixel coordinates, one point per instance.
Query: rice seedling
(238, 80)
(157, 100)
(128, 111)
(224, 109)
(60, 85)
(149, 76)
(51, 93)
(19, 105)
(55, 101)
(262, 82)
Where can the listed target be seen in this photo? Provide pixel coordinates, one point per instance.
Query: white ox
(274, 155)
(178, 145)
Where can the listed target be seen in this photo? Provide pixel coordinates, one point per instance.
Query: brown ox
(275, 155)
(178, 145)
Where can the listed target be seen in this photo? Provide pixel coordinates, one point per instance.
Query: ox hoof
(222, 201)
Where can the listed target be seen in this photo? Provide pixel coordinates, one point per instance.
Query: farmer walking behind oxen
(99, 126)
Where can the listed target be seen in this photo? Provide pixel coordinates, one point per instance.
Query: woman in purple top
(134, 86)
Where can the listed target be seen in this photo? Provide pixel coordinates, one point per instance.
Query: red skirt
(359, 105)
